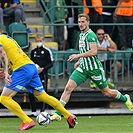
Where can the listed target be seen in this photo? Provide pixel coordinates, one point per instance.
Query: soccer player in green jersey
(88, 67)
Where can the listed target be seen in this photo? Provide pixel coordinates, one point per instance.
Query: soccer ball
(43, 118)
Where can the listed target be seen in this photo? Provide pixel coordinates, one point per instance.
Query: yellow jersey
(16, 56)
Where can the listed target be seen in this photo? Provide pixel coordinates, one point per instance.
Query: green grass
(95, 124)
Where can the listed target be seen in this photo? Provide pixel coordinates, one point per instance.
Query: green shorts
(97, 76)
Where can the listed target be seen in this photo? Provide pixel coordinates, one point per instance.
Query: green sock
(121, 97)
(63, 103)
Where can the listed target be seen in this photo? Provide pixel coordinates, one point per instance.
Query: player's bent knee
(68, 89)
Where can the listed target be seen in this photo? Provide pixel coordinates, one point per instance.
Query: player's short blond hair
(84, 15)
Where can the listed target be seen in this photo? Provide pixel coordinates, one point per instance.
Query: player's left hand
(72, 57)
(7, 78)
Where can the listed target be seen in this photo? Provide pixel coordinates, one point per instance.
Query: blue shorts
(25, 77)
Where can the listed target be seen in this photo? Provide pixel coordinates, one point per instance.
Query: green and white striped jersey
(85, 39)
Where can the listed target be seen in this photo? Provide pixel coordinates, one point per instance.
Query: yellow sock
(14, 107)
(44, 97)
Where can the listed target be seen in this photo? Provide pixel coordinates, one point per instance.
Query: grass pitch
(86, 124)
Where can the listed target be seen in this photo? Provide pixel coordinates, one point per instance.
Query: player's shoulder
(3, 35)
(3, 38)
(92, 35)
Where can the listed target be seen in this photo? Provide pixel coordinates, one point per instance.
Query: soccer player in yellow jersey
(24, 75)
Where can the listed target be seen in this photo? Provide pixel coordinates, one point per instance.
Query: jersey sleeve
(92, 39)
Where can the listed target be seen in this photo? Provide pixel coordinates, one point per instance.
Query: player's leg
(42, 96)
(13, 106)
(102, 84)
(113, 93)
(19, 79)
(71, 85)
(75, 80)
(50, 100)
(117, 95)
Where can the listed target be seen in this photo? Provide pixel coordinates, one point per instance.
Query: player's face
(83, 24)
(100, 34)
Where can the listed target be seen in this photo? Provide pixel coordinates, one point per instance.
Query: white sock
(118, 95)
(62, 102)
